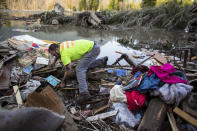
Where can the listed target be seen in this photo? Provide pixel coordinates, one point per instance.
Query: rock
(55, 22)
(31, 119)
(59, 9)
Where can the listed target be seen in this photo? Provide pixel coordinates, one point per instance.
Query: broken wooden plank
(119, 52)
(99, 71)
(18, 95)
(102, 116)
(52, 42)
(5, 77)
(172, 121)
(108, 84)
(154, 116)
(185, 116)
(145, 60)
(14, 42)
(160, 58)
(101, 109)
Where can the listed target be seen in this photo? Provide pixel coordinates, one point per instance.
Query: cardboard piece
(47, 98)
(42, 60)
(53, 80)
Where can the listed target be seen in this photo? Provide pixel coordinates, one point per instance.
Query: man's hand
(62, 85)
(51, 65)
(67, 72)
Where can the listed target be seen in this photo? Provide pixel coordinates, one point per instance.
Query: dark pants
(88, 61)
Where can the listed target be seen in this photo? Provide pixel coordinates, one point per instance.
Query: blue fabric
(118, 83)
(133, 82)
(137, 74)
(148, 83)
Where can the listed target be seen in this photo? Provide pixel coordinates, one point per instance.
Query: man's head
(54, 50)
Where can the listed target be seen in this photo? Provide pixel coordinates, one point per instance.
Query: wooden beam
(102, 116)
(172, 121)
(18, 95)
(185, 116)
(101, 109)
(154, 116)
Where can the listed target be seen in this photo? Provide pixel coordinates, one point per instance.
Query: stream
(108, 40)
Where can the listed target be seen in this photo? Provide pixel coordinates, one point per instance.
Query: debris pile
(138, 96)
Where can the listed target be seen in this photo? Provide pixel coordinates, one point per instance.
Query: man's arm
(68, 71)
(53, 63)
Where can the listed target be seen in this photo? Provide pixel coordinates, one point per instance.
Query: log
(126, 58)
(94, 16)
(154, 116)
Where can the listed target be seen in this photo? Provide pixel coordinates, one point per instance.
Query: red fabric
(135, 99)
(164, 73)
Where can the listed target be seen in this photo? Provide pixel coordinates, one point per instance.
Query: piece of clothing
(135, 99)
(133, 83)
(149, 83)
(117, 94)
(173, 93)
(141, 68)
(74, 50)
(165, 73)
(87, 61)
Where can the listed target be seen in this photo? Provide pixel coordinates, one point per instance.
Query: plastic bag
(125, 116)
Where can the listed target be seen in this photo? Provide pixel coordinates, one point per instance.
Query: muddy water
(106, 39)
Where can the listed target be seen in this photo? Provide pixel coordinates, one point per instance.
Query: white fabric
(174, 93)
(117, 94)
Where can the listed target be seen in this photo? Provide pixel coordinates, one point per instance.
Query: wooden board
(185, 116)
(18, 95)
(172, 121)
(154, 116)
(160, 58)
(5, 77)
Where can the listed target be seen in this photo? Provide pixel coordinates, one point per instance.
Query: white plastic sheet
(139, 56)
(125, 116)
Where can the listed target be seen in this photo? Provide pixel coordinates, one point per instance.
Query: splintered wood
(18, 95)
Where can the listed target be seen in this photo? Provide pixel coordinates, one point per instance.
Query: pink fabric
(164, 71)
(135, 99)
